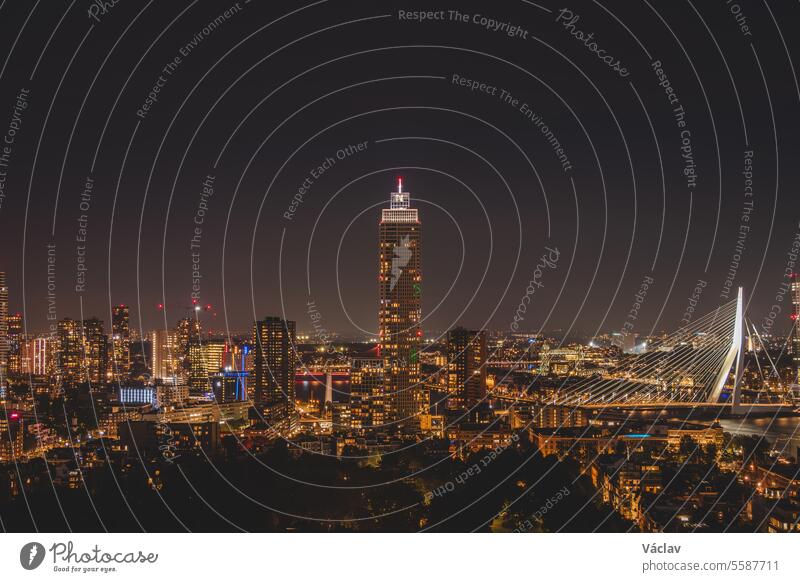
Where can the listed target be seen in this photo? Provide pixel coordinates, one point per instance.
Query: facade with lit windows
(15, 339)
(70, 352)
(466, 368)
(275, 363)
(120, 342)
(165, 362)
(95, 350)
(367, 408)
(400, 309)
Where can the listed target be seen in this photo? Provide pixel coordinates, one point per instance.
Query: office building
(400, 308)
(198, 371)
(169, 394)
(137, 394)
(95, 349)
(229, 386)
(275, 363)
(39, 356)
(187, 331)
(120, 343)
(70, 352)
(367, 408)
(206, 358)
(466, 368)
(15, 339)
(165, 363)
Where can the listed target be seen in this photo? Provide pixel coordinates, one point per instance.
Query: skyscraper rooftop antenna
(400, 200)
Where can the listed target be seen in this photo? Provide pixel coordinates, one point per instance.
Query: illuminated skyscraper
(3, 331)
(15, 339)
(466, 373)
(198, 373)
(275, 364)
(214, 354)
(400, 309)
(120, 342)
(205, 359)
(188, 330)
(70, 352)
(95, 350)
(367, 408)
(164, 363)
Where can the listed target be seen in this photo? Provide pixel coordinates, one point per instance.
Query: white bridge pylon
(734, 356)
(689, 366)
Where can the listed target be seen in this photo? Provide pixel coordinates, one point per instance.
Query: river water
(781, 429)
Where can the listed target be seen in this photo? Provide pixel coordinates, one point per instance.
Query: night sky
(259, 100)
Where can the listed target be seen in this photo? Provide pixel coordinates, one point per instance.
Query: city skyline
(375, 267)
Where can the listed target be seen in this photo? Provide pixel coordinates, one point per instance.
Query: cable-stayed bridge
(699, 365)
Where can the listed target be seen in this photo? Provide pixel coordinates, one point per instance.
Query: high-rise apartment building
(198, 372)
(120, 343)
(26, 349)
(187, 331)
(15, 339)
(206, 358)
(70, 352)
(275, 362)
(214, 354)
(164, 361)
(466, 368)
(95, 350)
(39, 356)
(400, 309)
(367, 407)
